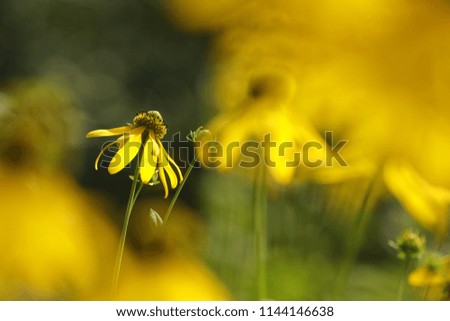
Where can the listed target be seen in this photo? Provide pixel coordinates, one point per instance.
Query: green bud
(409, 244)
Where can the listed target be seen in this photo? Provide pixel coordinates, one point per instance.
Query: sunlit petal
(172, 176)
(101, 153)
(126, 153)
(165, 163)
(110, 132)
(163, 179)
(148, 163)
(174, 165)
(152, 138)
(120, 141)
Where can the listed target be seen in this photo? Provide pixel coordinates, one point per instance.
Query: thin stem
(355, 240)
(131, 200)
(402, 282)
(260, 230)
(137, 194)
(177, 192)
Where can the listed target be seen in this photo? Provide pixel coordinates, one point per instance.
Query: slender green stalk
(260, 230)
(131, 200)
(402, 282)
(137, 194)
(355, 240)
(177, 192)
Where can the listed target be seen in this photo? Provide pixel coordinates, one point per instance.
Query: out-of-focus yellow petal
(425, 276)
(427, 203)
(232, 130)
(167, 266)
(48, 250)
(148, 162)
(170, 276)
(109, 132)
(127, 152)
(196, 15)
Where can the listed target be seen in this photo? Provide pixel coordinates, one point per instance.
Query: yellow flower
(261, 116)
(48, 242)
(435, 276)
(169, 275)
(167, 265)
(33, 111)
(142, 137)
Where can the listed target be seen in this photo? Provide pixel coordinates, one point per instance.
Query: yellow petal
(174, 165)
(172, 176)
(110, 132)
(156, 149)
(102, 151)
(120, 141)
(126, 153)
(148, 163)
(425, 202)
(165, 157)
(427, 276)
(162, 177)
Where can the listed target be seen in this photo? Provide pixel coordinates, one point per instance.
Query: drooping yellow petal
(174, 164)
(425, 202)
(152, 138)
(110, 132)
(164, 157)
(127, 152)
(120, 141)
(162, 177)
(148, 162)
(172, 176)
(101, 153)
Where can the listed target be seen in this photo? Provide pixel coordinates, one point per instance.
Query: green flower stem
(355, 240)
(137, 194)
(260, 230)
(134, 192)
(402, 282)
(177, 193)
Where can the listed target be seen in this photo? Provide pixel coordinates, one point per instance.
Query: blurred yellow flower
(38, 121)
(328, 18)
(435, 276)
(169, 276)
(262, 116)
(49, 238)
(144, 135)
(375, 73)
(164, 264)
